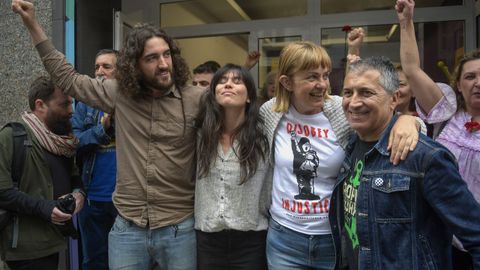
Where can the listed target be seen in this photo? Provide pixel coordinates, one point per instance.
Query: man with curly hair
(154, 114)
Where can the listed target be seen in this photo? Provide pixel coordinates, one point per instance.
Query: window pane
(341, 6)
(440, 44)
(222, 49)
(195, 12)
(270, 49)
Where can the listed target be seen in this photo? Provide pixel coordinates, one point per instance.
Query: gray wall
(19, 61)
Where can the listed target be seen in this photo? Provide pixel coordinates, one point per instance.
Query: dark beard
(59, 126)
(155, 84)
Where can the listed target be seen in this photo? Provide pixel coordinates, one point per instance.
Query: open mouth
(357, 114)
(317, 94)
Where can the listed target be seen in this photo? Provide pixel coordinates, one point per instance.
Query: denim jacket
(90, 132)
(406, 214)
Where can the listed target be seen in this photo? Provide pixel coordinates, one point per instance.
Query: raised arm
(27, 13)
(251, 60)
(100, 94)
(423, 87)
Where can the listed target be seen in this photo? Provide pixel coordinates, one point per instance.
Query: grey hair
(388, 75)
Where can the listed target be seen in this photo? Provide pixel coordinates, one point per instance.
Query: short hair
(41, 88)
(457, 72)
(295, 57)
(388, 74)
(106, 51)
(207, 67)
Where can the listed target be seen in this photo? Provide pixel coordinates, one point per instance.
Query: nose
(355, 100)
(100, 72)
(229, 82)
(162, 63)
(322, 83)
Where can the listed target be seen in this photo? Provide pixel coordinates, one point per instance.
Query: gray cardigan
(332, 109)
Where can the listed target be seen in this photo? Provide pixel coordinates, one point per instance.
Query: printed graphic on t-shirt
(350, 189)
(307, 160)
(305, 164)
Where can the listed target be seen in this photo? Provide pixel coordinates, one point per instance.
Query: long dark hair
(252, 143)
(128, 74)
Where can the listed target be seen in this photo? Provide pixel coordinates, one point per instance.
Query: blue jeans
(131, 247)
(96, 220)
(288, 249)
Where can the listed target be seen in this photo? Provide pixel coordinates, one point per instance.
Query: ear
(395, 99)
(40, 105)
(248, 100)
(285, 82)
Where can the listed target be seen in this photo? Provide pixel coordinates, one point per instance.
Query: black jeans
(49, 262)
(231, 250)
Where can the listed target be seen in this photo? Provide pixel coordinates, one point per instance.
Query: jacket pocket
(392, 198)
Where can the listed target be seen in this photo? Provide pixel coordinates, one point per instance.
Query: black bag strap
(21, 145)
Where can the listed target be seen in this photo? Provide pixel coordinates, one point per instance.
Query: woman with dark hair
(232, 194)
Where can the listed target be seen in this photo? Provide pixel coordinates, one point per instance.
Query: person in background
(308, 132)
(380, 211)
(454, 111)
(268, 89)
(33, 240)
(404, 95)
(203, 74)
(96, 157)
(155, 115)
(232, 194)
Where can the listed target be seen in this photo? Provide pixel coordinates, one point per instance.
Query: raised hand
(404, 9)
(355, 40)
(252, 59)
(26, 10)
(352, 58)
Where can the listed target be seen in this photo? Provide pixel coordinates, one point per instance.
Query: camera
(67, 205)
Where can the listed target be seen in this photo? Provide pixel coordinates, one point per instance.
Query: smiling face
(469, 85)
(367, 106)
(309, 89)
(156, 65)
(231, 92)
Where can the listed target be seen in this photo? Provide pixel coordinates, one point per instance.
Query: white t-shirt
(306, 168)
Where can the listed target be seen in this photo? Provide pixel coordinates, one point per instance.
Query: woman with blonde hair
(307, 131)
